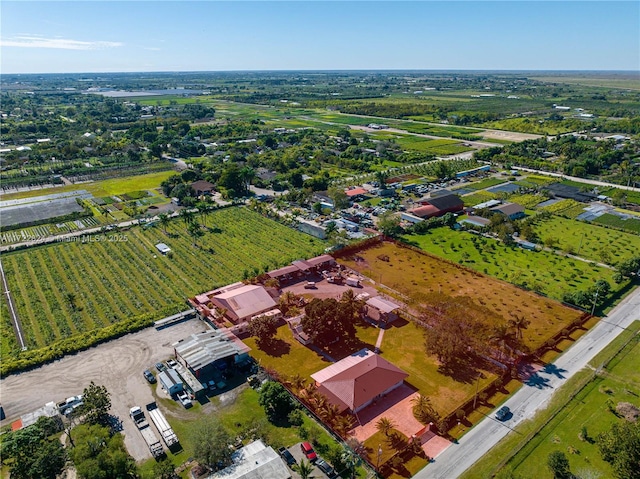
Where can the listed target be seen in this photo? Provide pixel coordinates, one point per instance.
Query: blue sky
(120, 36)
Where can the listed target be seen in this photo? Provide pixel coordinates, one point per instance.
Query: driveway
(117, 364)
(534, 394)
(395, 406)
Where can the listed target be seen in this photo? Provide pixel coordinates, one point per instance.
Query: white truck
(168, 436)
(155, 446)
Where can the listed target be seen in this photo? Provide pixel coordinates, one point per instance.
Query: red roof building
(356, 381)
(356, 192)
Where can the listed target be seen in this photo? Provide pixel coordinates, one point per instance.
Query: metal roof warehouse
(200, 350)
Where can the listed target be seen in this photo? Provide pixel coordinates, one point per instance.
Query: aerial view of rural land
(319, 239)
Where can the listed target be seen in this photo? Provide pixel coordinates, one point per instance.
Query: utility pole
(475, 398)
(595, 300)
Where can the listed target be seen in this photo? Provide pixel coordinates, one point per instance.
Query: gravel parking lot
(118, 365)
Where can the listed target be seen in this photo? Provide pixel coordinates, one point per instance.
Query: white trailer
(168, 436)
(155, 446)
(353, 281)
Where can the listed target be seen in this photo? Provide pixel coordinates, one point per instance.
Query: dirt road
(118, 365)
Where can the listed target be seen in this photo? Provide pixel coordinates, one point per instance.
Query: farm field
(588, 240)
(620, 382)
(631, 225)
(426, 279)
(113, 186)
(541, 271)
(68, 288)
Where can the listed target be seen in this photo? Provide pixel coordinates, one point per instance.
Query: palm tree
(519, 323)
(501, 335)
(423, 410)
(385, 425)
(195, 232)
(163, 218)
(186, 215)
(304, 469)
(343, 424)
(203, 208)
(298, 382)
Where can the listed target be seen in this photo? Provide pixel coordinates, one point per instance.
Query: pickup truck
(183, 397)
(69, 405)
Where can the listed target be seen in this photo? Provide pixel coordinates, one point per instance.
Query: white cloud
(33, 41)
(153, 49)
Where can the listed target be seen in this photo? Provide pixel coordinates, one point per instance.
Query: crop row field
(541, 271)
(67, 288)
(426, 279)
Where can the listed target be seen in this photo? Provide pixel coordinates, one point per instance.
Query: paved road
(576, 179)
(533, 396)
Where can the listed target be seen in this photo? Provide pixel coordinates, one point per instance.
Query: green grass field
(620, 382)
(113, 186)
(113, 277)
(589, 240)
(527, 449)
(541, 271)
(485, 183)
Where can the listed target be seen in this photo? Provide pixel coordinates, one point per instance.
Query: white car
(184, 399)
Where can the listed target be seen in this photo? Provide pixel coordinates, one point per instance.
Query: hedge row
(23, 360)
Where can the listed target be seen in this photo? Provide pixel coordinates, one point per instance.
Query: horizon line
(356, 70)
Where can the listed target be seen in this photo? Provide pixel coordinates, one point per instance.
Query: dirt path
(15, 320)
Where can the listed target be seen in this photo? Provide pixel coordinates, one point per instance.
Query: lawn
(542, 271)
(589, 240)
(403, 345)
(121, 275)
(527, 450)
(426, 279)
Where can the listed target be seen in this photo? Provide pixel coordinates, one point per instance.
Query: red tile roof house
(357, 380)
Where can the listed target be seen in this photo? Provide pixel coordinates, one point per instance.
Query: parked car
(171, 363)
(212, 385)
(308, 451)
(325, 467)
(148, 375)
(184, 399)
(503, 413)
(287, 456)
(310, 285)
(160, 367)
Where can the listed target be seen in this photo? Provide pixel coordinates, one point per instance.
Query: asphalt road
(534, 395)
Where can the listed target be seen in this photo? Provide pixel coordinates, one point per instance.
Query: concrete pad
(395, 406)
